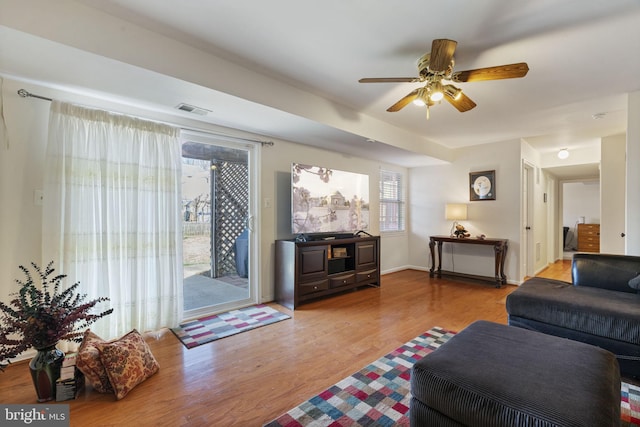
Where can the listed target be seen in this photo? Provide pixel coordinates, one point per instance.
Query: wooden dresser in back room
(588, 237)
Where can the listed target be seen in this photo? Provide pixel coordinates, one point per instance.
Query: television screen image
(327, 200)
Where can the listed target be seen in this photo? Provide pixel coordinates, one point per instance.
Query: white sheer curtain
(111, 220)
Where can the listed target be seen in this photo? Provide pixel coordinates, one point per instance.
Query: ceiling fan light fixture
(435, 91)
(436, 96)
(563, 154)
(453, 92)
(421, 97)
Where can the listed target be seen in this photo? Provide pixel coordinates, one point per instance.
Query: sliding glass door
(217, 193)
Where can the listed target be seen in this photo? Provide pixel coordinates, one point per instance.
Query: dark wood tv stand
(306, 271)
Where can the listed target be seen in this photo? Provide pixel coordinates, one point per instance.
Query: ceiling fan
(435, 68)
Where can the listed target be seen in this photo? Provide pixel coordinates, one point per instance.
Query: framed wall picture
(482, 185)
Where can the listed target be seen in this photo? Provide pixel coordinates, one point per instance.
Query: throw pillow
(89, 363)
(635, 283)
(128, 362)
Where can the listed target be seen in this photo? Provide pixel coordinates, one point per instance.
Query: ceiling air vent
(193, 109)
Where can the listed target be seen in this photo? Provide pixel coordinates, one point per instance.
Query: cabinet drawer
(343, 280)
(311, 287)
(588, 238)
(586, 229)
(367, 276)
(589, 247)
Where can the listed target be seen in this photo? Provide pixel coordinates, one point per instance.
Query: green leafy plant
(40, 316)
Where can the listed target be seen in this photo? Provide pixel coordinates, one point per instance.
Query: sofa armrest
(612, 272)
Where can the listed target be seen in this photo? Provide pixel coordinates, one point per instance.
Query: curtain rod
(26, 94)
(23, 93)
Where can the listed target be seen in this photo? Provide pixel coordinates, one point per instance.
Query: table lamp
(455, 212)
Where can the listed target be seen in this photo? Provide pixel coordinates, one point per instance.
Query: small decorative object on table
(39, 317)
(460, 232)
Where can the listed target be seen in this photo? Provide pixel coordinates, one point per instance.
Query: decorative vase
(45, 371)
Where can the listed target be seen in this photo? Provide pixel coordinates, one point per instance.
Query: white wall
(581, 199)
(21, 172)
(431, 188)
(22, 160)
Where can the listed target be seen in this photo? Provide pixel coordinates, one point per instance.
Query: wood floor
(250, 378)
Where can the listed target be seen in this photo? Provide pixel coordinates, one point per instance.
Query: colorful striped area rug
(211, 328)
(379, 394)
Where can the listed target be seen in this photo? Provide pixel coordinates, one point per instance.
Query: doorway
(581, 206)
(217, 188)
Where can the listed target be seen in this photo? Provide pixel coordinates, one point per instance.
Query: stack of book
(71, 380)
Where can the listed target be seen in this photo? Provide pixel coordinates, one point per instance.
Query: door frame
(253, 219)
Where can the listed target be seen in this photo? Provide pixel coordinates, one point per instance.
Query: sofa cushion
(128, 362)
(595, 311)
(606, 271)
(89, 363)
(635, 283)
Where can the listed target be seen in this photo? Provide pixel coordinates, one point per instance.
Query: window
(392, 206)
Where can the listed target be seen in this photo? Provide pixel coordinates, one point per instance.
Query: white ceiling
(582, 54)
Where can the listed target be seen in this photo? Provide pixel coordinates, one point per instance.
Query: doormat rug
(379, 394)
(211, 328)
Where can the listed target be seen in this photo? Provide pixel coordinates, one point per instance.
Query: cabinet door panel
(312, 263)
(366, 254)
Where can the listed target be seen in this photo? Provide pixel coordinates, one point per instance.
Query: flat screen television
(328, 201)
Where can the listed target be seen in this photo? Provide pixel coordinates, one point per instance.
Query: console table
(500, 247)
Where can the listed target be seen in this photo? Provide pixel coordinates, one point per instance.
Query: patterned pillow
(89, 363)
(128, 362)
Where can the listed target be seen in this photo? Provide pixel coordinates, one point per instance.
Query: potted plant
(39, 317)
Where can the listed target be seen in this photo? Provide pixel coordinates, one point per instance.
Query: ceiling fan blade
(510, 71)
(441, 54)
(462, 104)
(404, 101)
(390, 80)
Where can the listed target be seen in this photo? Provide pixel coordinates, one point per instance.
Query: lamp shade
(455, 211)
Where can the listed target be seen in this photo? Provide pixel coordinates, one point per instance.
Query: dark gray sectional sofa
(600, 307)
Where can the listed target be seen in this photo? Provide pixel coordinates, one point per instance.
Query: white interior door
(526, 252)
(613, 192)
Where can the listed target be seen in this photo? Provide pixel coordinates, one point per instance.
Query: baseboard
(404, 267)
